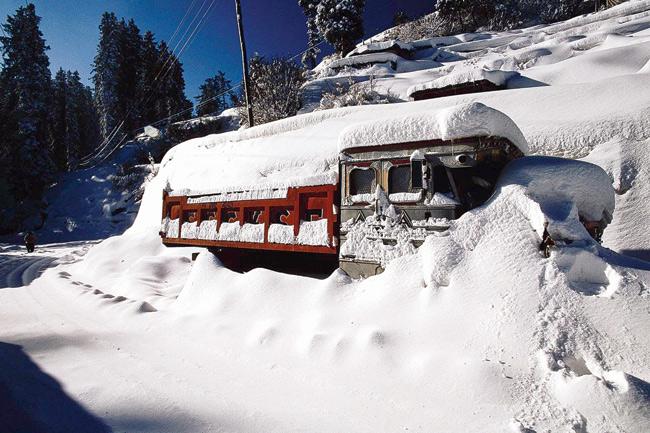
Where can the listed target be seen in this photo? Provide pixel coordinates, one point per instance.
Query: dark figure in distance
(30, 241)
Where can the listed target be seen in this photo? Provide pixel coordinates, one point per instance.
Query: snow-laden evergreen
(105, 74)
(310, 8)
(214, 95)
(26, 83)
(340, 22)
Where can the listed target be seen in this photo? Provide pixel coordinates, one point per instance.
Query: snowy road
(18, 268)
(74, 358)
(21, 269)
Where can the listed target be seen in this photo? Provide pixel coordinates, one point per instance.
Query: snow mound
(626, 162)
(566, 189)
(461, 121)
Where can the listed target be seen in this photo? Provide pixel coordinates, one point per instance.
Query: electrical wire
(111, 136)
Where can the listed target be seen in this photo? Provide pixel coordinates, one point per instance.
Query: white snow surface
(474, 332)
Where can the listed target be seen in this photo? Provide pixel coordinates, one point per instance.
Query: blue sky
(273, 27)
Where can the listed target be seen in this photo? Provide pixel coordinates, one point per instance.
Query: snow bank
(626, 162)
(461, 121)
(499, 78)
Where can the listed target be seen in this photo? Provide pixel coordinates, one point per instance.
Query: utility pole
(244, 59)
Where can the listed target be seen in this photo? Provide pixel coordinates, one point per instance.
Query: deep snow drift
(476, 331)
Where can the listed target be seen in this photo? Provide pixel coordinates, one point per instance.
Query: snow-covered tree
(74, 127)
(59, 120)
(129, 80)
(275, 89)
(171, 84)
(310, 7)
(8, 171)
(27, 84)
(105, 74)
(340, 22)
(87, 115)
(214, 97)
(151, 65)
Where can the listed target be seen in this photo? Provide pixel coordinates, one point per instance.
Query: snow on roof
(280, 154)
(371, 47)
(461, 121)
(499, 78)
(303, 151)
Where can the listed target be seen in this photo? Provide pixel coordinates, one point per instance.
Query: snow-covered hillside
(475, 332)
(581, 50)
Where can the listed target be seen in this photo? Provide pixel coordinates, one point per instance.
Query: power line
(239, 84)
(173, 50)
(117, 128)
(174, 115)
(161, 75)
(180, 24)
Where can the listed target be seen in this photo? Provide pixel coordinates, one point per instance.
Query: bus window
(440, 179)
(416, 174)
(361, 181)
(399, 177)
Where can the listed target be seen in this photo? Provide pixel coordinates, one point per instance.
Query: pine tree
(129, 81)
(26, 80)
(59, 120)
(151, 65)
(179, 104)
(88, 119)
(172, 87)
(74, 122)
(105, 74)
(73, 138)
(340, 22)
(8, 170)
(309, 7)
(214, 97)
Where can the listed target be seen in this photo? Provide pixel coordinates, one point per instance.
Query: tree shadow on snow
(638, 254)
(32, 401)
(625, 259)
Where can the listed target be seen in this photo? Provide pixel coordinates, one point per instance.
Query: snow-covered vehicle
(392, 184)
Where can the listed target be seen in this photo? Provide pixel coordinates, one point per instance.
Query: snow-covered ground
(475, 332)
